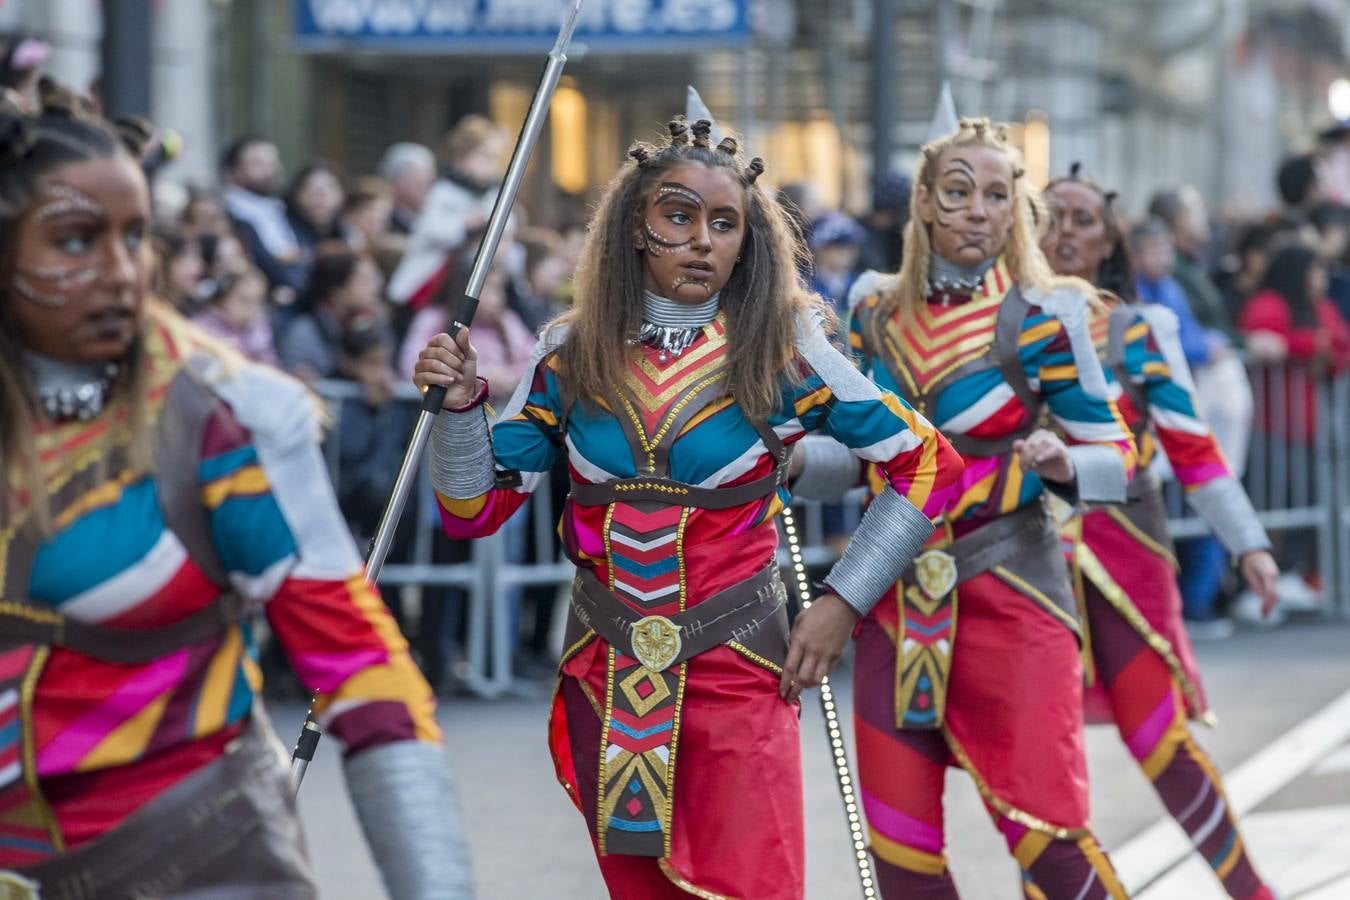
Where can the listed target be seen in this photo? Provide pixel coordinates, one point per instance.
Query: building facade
(1144, 93)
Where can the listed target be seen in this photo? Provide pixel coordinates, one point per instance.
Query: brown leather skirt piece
(227, 831)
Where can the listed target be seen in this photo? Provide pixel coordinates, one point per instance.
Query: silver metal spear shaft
(468, 305)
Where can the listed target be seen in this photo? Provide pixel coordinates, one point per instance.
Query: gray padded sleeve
(408, 809)
(1224, 505)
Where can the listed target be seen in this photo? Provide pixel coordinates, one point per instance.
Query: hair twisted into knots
(763, 301)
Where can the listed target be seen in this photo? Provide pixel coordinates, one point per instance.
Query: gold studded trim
(1003, 807)
(1120, 601)
(674, 877)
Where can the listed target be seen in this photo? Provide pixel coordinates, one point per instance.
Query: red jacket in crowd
(1314, 354)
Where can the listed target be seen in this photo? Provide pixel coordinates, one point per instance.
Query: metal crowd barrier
(487, 576)
(1297, 487)
(1340, 454)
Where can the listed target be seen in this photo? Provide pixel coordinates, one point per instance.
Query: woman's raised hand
(452, 363)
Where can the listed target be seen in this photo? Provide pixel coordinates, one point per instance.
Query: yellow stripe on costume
(921, 485)
(1102, 866)
(1225, 868)
(1012, 488)
(1059, 373)
(1039, 333)
(1159, 369)
(876, 480)
(392, 681)
(106, 494)
(1030, 847)
(1135, 332)
(907, 858)
(398, 679)
(128, 740)
(247, 482)
(252, 674)
(908, 414)
(774, 508)
(808, 402)
(976, 495)
(221, 675)
(1161, 756)
(542, 414)
(462, 509)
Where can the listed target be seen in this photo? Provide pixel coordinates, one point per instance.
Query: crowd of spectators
(344, 279)
(341, 279)
(1264, 307)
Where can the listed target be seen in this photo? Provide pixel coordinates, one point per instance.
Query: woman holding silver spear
(691, 363)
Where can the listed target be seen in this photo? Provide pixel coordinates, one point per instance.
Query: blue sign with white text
(523, 25)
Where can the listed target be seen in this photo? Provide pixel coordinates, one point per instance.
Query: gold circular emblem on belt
(936, 573)
(656, 642)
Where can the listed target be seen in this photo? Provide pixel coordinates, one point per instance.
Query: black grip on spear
(434, 398)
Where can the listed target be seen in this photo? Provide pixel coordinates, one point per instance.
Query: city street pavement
(1283, 700)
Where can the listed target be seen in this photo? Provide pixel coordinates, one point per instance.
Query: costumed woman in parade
(692, 362)
(1142, 673)
(972, 657)
(158, 491)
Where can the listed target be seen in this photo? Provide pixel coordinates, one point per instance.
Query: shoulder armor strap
(1166, 328)
(1122, 317)
(1072, 309)
(1012, 314)
(188, 407)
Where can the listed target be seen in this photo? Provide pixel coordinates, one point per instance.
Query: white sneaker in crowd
(1296, 595)
(1217, 629)
(1247, 610)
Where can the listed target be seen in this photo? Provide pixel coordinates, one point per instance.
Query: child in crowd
(236, 312)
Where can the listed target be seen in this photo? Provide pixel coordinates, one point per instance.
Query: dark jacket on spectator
(312, 344)
(1205, 299)
(370, 450)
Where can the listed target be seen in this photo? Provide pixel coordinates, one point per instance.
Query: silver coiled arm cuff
(890, 535)
(1225, 506)
(461, 455)
(406, 803)
(829, 472)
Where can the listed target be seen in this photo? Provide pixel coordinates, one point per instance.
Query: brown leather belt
(24, 623)
(1018, 534)
(977, 447)
(752, 613)
(676, 493)
(229, 829)
(1146, 509)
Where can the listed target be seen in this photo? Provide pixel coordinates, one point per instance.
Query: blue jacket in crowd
(1197, 341)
